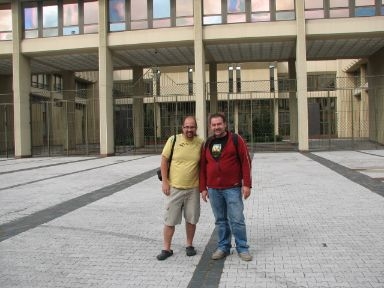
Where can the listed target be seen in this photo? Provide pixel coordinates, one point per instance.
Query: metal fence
(344, 115)
(65, 127)
(7, 146)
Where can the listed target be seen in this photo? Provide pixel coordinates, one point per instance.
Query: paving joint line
(13, 228)
(67, 174)
(370, 183)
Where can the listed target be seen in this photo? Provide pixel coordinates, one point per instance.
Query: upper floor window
(236, 11)
(70, 17)
(338, 8)
(314, 9)
(117, 15)
(57, 18)
(285, 10)
(260, 10)
(184, 12)
(91, 16)
(5, 22)
(241, 11)
(139, 14)
(161, 13)
(212, 12)
(50, 19)
(365, 8)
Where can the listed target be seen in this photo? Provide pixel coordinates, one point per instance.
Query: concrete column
(213, 102)
(21, 88)
(301, 69)
(375, 94)
(138, 107)
(364, 105)
(292, 103)
(275, 101)
(201, 104)
(107, 142)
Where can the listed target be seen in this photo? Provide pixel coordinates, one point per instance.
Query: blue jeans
(227, 206)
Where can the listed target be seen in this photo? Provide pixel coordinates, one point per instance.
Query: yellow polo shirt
(184, 172)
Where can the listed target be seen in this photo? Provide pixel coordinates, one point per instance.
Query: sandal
(164, 254)
(190, 251)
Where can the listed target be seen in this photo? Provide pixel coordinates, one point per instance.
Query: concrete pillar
(292, 103)
(301, 69)
(201, 104)
(275, 102)
(21, 88)
(375, 94)
(107, 143)
(213, 102)
(138, 107)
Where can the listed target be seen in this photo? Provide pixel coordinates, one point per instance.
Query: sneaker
(190, 251)
(245, 256)
(164, 254)
(218, 254)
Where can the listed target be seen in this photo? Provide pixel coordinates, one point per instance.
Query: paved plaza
(313, 220)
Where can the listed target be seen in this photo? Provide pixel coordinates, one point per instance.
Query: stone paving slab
(308, 226)
(47, 185)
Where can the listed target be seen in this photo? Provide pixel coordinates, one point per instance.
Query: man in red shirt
(225, 178)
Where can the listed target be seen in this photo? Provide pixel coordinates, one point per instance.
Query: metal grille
(344, 115)
(64, 127)
(7, 146)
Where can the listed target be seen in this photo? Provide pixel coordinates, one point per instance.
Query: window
(339, 8)
(238, 79)
(161, 13)
(5, 22)
(139, 14)
(39, 81)
(271, 78)
(321, 82)
(260, 11)
(50, 19)
(57, 83)
(184, 12)
(230, 79)
(190, 81)
(212, 12)
(285, 10)
(236, 11)
(314, 9)
(91, 17)
(30, 23)
(70, 18)
(365, 8)
(117, 15)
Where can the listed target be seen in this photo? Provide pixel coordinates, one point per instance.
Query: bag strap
(170, 156)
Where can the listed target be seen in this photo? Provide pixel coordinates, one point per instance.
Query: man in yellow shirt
(181, 186)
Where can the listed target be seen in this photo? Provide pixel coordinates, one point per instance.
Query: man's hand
(246, 191)
(204, 195)
(165, 187)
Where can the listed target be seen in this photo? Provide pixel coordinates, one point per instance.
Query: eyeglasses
(189, 127)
